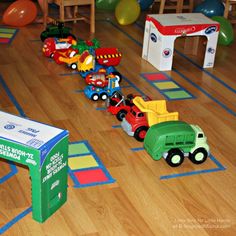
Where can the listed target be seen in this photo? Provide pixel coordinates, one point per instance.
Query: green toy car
(57, 30)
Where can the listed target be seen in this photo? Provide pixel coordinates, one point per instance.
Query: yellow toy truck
(145, 114)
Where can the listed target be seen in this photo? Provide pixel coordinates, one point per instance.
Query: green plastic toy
(57, 30)
(174, 140)
(86, 45)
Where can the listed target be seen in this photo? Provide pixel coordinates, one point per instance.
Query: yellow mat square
(82, 162)
(6, 35)
(166, 85)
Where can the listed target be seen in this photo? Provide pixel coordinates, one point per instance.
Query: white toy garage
(161, 31)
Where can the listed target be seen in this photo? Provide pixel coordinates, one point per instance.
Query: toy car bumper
(126, 126)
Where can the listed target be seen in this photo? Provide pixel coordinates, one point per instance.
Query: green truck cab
(175, 140)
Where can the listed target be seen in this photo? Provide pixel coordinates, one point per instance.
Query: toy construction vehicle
(145, 114)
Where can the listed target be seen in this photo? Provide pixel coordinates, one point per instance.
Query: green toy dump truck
(174, 140)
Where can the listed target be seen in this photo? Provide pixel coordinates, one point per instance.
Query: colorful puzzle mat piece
(166, 86)
(7, 35)
(85, 168)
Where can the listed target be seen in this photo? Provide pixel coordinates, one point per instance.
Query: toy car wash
(174, 140)
(57, 30)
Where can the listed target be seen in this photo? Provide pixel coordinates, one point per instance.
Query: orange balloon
(20, 13)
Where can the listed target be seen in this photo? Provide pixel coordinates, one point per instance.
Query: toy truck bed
(155, 111)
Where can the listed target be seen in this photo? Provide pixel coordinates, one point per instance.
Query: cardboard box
(44, 149)
(161, 31)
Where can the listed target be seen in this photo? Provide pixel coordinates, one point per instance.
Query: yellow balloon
(127, 11)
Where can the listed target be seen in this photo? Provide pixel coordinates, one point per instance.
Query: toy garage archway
(191, 47)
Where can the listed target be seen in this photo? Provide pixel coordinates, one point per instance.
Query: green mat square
(78, 148)
(177, 94)
(7, 30)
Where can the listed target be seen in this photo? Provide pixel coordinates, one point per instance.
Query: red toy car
(119, 105)
(100, 78)
(54, 44)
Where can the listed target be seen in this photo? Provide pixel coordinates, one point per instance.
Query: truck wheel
(175, 157)
(198, 156)
(140, 133)
(73, 66)
(43, 35)
(95, 97)
(103, 96)
(121, 114)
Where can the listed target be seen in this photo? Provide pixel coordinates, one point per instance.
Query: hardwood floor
(144, 200)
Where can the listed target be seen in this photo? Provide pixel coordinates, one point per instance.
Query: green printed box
(44, 149)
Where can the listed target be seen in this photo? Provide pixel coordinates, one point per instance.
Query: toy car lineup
(145, 119)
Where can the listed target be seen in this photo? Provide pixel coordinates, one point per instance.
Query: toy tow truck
(118, 105)
(145, 114)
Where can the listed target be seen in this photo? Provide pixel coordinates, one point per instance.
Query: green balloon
(226, 34)
(106, 4)
(127, 11)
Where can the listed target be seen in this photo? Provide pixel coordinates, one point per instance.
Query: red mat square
(156, 77)
(4, 40)
(90, 176)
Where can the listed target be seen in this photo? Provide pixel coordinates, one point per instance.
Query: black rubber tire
(42, 37)
(121, 114)
(139, 135)
(102, 96)
(172, 154)
(193, 156)
(73, 66)
(95, 97)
